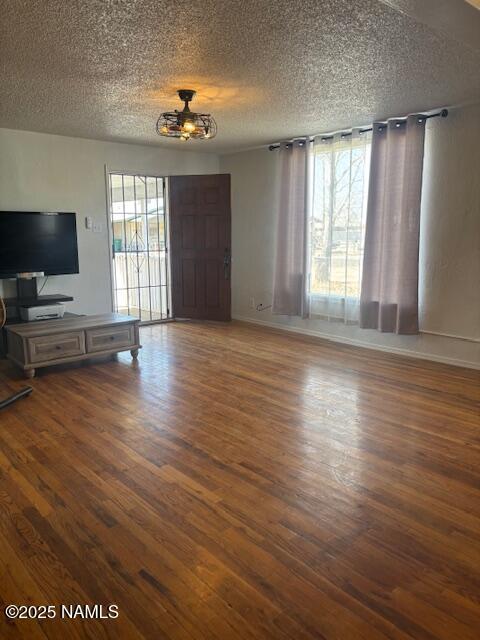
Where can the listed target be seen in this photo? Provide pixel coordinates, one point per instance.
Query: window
(337, 225)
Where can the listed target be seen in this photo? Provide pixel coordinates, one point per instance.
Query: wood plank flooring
(239, 483)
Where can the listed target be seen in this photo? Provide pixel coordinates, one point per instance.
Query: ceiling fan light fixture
(186, 124)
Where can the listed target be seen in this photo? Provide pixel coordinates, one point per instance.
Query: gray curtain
(291, 233)
(389, 295)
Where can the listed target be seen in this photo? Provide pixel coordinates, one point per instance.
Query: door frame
(108, 171)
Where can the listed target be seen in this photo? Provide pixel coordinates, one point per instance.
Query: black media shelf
(39, 301)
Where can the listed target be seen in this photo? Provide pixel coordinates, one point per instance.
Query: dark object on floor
(16, 396)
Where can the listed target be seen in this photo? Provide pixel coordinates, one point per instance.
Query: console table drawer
(110, 338)
(56, 347)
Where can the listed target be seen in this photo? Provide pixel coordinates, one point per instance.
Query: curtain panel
(389, 294)
(289, 286)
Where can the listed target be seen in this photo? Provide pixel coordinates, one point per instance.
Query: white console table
(40, 344)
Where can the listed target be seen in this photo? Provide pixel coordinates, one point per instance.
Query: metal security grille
(141, 282)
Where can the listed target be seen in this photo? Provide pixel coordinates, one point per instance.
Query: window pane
(133, 302)
(338, 219)
(159, 308)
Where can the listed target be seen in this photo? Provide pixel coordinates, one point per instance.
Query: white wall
(42, 172)
(450, 244)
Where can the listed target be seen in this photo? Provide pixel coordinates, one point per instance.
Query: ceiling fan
(186, 124)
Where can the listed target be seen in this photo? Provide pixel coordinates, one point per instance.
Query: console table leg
(134, 353)
(29, 373)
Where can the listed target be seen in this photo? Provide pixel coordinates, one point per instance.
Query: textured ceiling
(266, 69)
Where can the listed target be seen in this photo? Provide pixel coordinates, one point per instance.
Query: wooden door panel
(212, 284)
(212, 224)
(199, 233)
(188, 232)
(187, 196)
(211, 196)
(189, 277)
(200, 228)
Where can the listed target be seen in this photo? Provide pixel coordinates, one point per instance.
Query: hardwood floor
(246, 484)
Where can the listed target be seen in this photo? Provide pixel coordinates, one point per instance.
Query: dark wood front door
(200, 228)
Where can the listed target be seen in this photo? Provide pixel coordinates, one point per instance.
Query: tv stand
(40, 344)
(39, 301)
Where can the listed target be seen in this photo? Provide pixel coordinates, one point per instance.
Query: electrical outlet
(252, 303)
(97, 227)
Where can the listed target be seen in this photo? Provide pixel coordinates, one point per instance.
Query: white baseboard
(359, 343)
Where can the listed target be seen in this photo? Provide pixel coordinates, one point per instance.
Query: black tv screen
(37, 242)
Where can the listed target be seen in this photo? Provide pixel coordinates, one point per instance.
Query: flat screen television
(37, 242)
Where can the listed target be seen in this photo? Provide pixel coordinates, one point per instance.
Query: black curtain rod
(443, 113)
